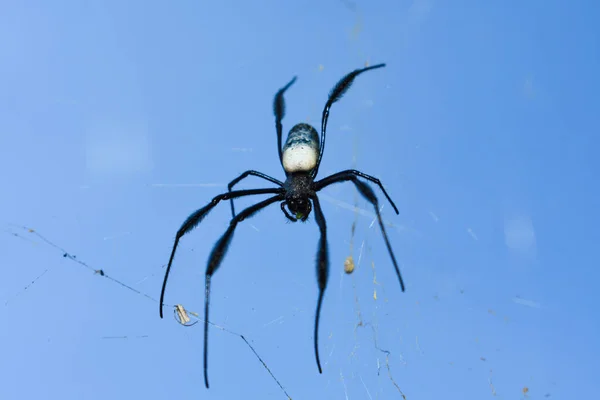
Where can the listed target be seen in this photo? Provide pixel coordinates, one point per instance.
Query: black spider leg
(245, 175)
(286, 213)
(322, 271)
(346, 175)
(336, 94)
(195, 218)
(279, 111)
(215, 259)
(368, 194)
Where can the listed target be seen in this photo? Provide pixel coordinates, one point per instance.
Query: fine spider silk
(300, 158)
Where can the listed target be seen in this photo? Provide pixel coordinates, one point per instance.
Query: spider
(300, 158)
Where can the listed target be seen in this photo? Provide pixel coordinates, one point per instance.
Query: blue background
(118, 119)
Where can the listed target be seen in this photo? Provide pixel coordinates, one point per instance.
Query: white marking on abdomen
(301, 149)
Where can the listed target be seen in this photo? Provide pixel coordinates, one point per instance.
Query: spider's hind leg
(245, 175)
(366, 191)
(216, 257)
(348, 175)
(195, 218)
(322, 271)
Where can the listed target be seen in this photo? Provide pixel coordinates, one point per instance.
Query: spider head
(299, 207)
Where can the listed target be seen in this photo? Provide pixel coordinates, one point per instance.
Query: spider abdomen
(301, 149)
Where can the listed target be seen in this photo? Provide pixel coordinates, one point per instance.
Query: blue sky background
(118, 119)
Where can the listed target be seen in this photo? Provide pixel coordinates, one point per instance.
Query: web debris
(387, 362)
(349, 267)
(492, 388)
(26, 287)
(125, 337)
(344, 383)
(365, 386)
(181, 315)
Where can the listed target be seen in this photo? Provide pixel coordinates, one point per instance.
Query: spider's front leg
(279, 112)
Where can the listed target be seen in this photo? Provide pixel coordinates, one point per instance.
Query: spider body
(300, 158)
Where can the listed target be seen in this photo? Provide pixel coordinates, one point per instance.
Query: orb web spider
(300, 158)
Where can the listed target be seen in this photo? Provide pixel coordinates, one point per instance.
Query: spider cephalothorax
(297, 186)
(300, 158)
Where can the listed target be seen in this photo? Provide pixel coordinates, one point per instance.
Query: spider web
(483, 315)
(182, 315)
(363, 329)
(363, 338)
